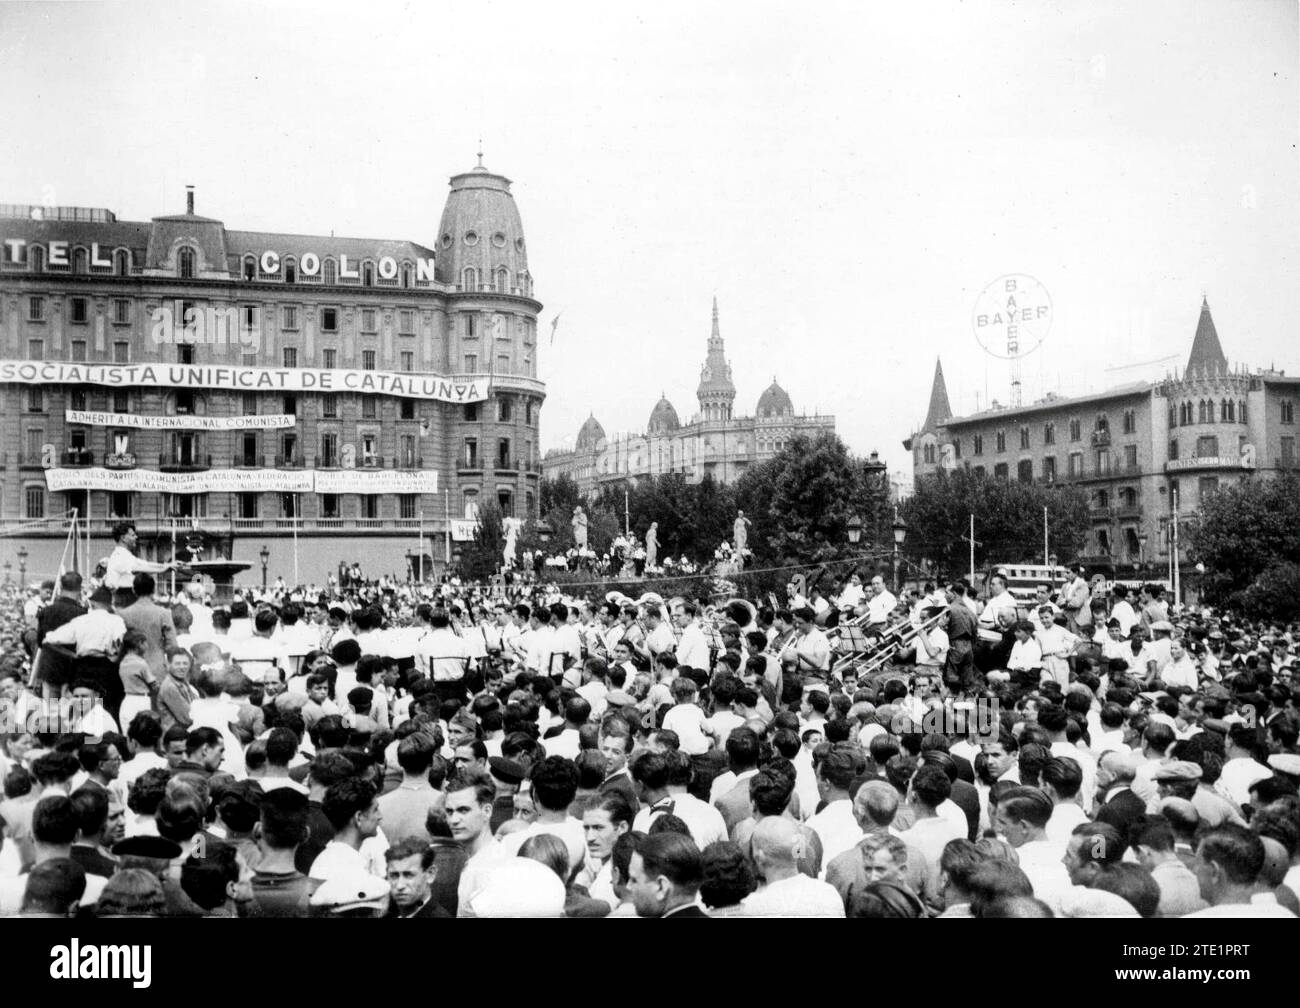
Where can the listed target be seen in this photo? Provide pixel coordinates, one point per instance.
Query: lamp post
(1200, 583)
(1142, 550)
(855, 530)
(265, 555)
(22, 565)
(900, 533)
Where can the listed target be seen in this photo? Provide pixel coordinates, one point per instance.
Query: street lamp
(1142, 549)
(410, 565)
(855, 530)
(1200, 583)
(22, 565)
(900, 533)
(265, 554)
(544, 531)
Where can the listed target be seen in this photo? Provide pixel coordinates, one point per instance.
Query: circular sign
(1012, 316)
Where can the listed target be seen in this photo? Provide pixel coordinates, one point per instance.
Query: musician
(880, 602)
(812, 649)
(565, 645)
(658, 638)
(931, 646)
(633, 635)
(853, 594)
(441, 654)
(783, 639)
(693, 648)
(962, 628)
(1000, 601)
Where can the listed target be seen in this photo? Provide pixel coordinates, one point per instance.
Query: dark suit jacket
(54, 667)
(92, 861)
(1122, 811)
(966, 798)
(431, 908)
(155, 623)
(690, 910)
(621, 784)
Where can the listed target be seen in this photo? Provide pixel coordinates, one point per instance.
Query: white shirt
(1123, 612)
(1041, 862)
(880, 606)
(122, 566)
(474, 876)
(1181, 673)
(338, 860)
(813, 651)
(703, 820)
(444, 653)
(1065, 817)
(689, 722)
(96, 632)
(1237, 777)
(797, 896)
(1025, 655)
(1004, 601)
(693, 649)
(837, 829)
(570, 831)
(565, 744)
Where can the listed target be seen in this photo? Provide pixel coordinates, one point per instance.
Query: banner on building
(358, 481)
(462, 530)
(376, 481)
(270, 421)
(247, 379)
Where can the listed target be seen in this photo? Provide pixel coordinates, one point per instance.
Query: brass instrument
(897, 637)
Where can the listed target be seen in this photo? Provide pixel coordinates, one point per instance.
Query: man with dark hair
(1092, 848)
(412, 872)
(835, 824)
(469, 816)
(565, 739)
(54, 888)
(1241, 769)
(554, 786)
(53, 668)
(154, 622)
(406, 808)
(663, 781)
(353, 811)
(664, 876)
(54, 828)
(615, 745)
(742, 760)
(1229, 860)
(1153, 843)
(279, 888)
(1061, 780)
(930, 833)
(1022, 816)
(101, 822)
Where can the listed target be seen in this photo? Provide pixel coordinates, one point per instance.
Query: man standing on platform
(124, 565)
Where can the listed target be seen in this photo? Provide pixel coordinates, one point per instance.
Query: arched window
(122, 262)
(503, 281)
(185, 263)
(1200, 412)
(469, 280)
(79, 261)
(330, 272)
(37, 258)
(291, 270)
(1103, 422)
(1228, 411)
(1173, 419)
(367, 274)
(1241, 411)
(406, 275)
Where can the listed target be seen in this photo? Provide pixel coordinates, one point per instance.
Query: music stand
(713, 637)
(852, 639)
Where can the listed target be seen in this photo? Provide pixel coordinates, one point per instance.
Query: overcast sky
(845, 178)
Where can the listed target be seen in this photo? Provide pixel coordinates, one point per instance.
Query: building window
(1076, 430)
(185, 264)
(1173, 449)
(34, 502)
(406, 451)
(1288, 451)
(290, 356)
(121, 352)
(1000, 472)
(290, 405)
(1173, 417)
(77, 399)
(469, 280)
(250, 268)
(1101, 500)
(503, 363)
(503, 409)
(1049, 468)
(78, 349)
(408, 505)
(367, 275)
(185, 401)
(406, 409)
(407, 360)
(78, 309)
(185, 353)
(1131, 457)
(471, 412)
(290, 317)
(1024, 438)
(1228, 411)
(329, 405)
(370, 506)
(1076, 464)
(1207, 486)
(290, 271)
(956, 448)
(503, 453)
(1102, 423)
(329, 505)
(1241, 411)
(471, 453)
(329, 272)
(36, 309)
(1001, 444)
(249, 403)
(329, 320)
(121, 311)
(978, 472)
(1103, 462)
(506, 501)
(1288, 411)
(406, 322)
(329, 450)
(927, 453)
(1049, 433)
(121, 401)
(1200, 412)
(1025, 471)
(329, 358)
(367, 407)
(122, 263)
(1130, 422)
(289, 505)
(120, 504)
(978, 444)
(471, 363)
(471, 329)
(367, 320)
(528, 411)
(1207, 446)
(1128, 498)
(368, 360)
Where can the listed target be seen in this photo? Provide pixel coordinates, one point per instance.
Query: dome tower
(716, 393)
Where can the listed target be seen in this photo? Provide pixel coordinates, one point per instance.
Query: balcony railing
(1101, 513)
(1100, 438)
(171, 462)
(288, 462)
(78, 457)
(1128, 511)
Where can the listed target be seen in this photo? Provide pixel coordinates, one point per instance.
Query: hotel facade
(1142, 452)
(323, 399)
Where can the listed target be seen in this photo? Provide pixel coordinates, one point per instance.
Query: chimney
(189, 200)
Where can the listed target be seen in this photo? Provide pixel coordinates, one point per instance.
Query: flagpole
(446, 504)
(173, 557)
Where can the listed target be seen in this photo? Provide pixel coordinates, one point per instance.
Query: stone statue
(652, 545)
(740, 532)
(511, 526)
(579, 528)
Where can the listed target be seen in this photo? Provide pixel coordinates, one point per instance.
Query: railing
(28, 460)
(288, 462)
(1100, 438)
(470, 465)
(1129, 511)
(247, 462)
(507, 465)
(76, 457)
(169, 461)
(1101, 513)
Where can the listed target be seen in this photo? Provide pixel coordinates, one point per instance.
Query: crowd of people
(379, 748)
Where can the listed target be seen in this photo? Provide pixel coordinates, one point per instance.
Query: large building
(714, 443)
(326, 398)
(1140, 450)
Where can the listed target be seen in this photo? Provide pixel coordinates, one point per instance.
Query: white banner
(270, 421)
(376, 481)
(462, 530)
(209, 481)
(359, 481)
(465, 389)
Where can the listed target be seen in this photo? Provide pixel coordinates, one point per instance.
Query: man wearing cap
(507, 775)
(96, 637)
(123, 565)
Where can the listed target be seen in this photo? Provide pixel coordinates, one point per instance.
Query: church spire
(716, 393)
(1207, 353)
(939, 410)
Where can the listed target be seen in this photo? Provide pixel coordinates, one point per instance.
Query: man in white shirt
(1229, 860)
(811, 648)
(880, 602)
(554, 786)
(352, 808)
(931, 832)
(1240, 770)
(440, 654)
(1000, 601)
(259, 656)
(693, 648)
(1026, 656)
(123, 565)
(778, 845)
(1062, 778)
(1123, 610)
(835, 825)
(1022, 817)
(662, 781)
(1181, 670)
(469, 816)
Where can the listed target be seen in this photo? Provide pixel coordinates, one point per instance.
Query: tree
(1246, 537)
(1008, 520)
(480, 559)
(560, 493)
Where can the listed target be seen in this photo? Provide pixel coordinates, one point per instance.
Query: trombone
(898, 637)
